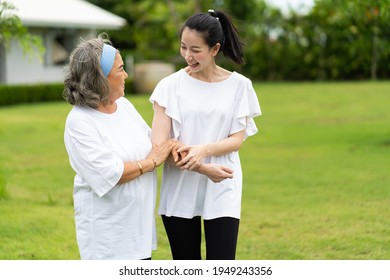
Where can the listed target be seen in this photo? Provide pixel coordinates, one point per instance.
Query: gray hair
(84, 82)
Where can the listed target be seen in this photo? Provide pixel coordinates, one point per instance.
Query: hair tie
(213, 14)
(107, 58)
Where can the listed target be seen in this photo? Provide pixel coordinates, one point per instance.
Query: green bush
(17, 94)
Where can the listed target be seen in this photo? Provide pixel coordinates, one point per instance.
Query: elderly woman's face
(116, 78)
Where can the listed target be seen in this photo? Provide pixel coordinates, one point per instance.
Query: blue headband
(107, 59)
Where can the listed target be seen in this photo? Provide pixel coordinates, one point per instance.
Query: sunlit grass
(316, 183)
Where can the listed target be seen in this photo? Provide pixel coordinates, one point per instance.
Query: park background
(316, 183)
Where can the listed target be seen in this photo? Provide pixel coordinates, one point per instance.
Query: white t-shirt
(112, 221)
(203, 113)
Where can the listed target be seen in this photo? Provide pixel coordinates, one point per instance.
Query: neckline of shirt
(207, 83)
(100, 113)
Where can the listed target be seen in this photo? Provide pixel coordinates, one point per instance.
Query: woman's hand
(191, 157)
(215, 172)
(175, 156)
(160, 152)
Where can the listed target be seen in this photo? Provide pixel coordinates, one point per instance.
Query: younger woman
(210, 111)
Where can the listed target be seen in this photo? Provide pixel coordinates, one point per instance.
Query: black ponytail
(217, 27)
(233, 47)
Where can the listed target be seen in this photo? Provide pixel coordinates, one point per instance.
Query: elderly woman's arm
(154, 159)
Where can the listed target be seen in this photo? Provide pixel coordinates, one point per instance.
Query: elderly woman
(110, 150)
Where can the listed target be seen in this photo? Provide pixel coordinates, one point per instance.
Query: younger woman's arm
(195, 154)
(161, 131)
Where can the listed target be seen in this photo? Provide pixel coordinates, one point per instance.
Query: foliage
(152, 27)
(336, 40)
(11, 27)
(17, 94)
(359, 31)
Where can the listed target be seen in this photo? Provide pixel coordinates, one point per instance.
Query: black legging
(184, 237)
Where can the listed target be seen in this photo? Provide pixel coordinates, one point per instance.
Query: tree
(11, 27)
(356, 39)
(151, 32)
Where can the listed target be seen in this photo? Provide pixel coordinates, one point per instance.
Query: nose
(125, 74)
(188, 56)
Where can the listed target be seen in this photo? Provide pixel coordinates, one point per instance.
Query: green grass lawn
(316, 183)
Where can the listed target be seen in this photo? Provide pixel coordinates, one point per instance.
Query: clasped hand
(160, 152)
(191, 157)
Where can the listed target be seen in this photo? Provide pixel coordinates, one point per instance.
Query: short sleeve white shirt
(113, 221)
(203, 113)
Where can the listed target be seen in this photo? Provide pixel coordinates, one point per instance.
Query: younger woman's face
(195, 51)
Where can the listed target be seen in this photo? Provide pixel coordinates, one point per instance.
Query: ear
(215, 49)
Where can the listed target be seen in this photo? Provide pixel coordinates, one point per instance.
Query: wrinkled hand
(191, 157)
(160, 152)
(216, 172)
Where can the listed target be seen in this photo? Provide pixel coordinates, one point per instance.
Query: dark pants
(185, 236)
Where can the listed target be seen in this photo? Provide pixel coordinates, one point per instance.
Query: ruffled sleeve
(166, 95)
(247, 107)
